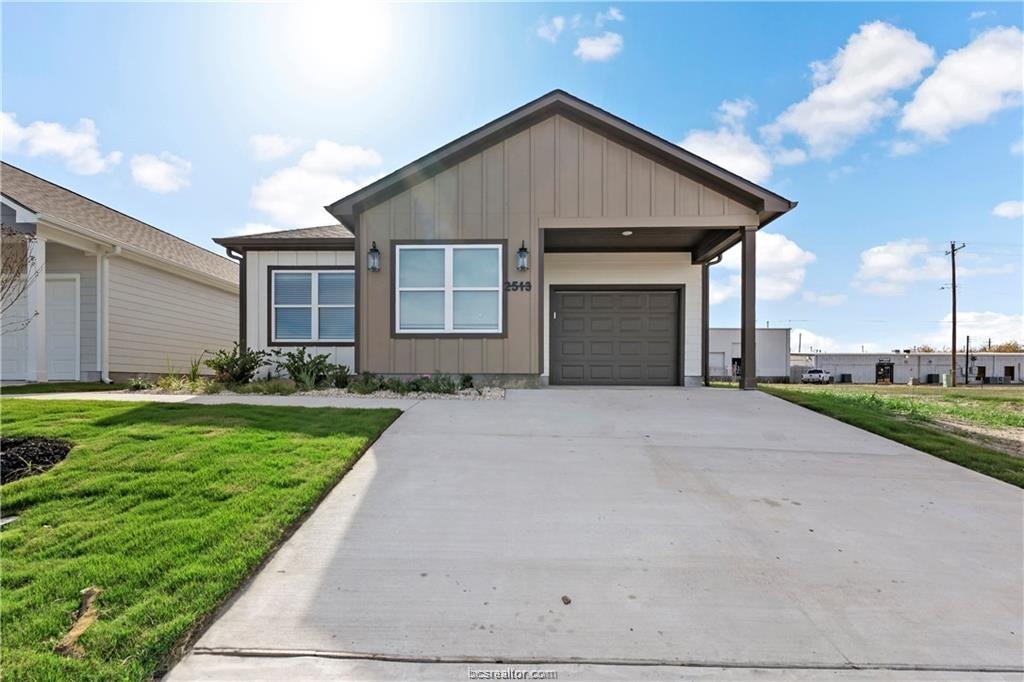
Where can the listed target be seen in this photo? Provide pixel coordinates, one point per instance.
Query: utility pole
(953, 248)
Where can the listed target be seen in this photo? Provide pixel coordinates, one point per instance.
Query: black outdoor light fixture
(373, 258)
(523, 257)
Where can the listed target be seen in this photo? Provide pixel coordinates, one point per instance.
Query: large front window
(448, 289)
(315, 306)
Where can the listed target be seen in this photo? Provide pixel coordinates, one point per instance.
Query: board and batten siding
(257, 291)
(555, 168)
(159, 320)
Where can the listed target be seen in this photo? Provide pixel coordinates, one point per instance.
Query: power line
(953, 248)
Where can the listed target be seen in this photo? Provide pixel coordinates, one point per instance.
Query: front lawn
(165, 508)
(60, 387)
(976, 428)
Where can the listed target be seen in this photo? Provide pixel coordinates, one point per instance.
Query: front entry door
(62, 327)
(615, 337)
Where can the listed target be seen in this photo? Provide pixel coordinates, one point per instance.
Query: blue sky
(897, 127)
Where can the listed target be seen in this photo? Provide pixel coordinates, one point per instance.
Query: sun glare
(339, 40)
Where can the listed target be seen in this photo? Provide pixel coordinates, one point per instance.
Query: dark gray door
(615, 337)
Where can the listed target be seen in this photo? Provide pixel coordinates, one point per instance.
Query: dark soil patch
(23, 456)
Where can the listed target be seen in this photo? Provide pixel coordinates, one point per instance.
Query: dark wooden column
(748, 320)
(704, 324)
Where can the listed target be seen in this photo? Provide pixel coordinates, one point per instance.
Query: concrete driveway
(720, 529)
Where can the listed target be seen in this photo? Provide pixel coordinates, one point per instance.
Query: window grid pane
(337, 323)
(336, 288)
(293, 323)
(293, 288)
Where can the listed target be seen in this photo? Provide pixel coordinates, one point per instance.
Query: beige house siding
(257, 288)
(555, 168)
(632, 268)
(61, 260)
(158, 319)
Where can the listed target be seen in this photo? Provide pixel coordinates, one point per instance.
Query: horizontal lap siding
(65, 260)
(257, 264)
(555, 168)
(160, 320)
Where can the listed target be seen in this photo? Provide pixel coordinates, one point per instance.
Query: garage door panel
(615, 337)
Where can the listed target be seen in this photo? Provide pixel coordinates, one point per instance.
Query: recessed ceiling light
(627, 233)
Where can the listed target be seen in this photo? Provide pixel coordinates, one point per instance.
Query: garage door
(615, 337)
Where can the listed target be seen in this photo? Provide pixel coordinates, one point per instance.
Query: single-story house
(112, 297)
(557, 244)
(724, 353)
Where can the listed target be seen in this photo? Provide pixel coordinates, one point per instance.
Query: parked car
(817, 376)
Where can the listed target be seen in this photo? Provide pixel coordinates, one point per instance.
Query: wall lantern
(523, 258)
(373, 258)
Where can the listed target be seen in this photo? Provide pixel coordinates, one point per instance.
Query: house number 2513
(518, 285)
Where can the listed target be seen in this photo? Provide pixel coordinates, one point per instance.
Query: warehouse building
(724, 361)
(927, 368)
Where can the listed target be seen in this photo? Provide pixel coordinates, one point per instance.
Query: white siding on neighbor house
(631, 268)
(63, 260)
(906, 366)
(14, 342)
(160, 320)
(257, 289)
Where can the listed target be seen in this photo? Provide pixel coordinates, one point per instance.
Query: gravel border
(486, 393)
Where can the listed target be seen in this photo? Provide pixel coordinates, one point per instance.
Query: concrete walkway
(702, 527)
(225, 399)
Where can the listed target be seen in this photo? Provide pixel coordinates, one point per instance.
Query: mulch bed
(28, 455)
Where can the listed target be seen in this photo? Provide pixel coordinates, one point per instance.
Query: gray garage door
(620, 337)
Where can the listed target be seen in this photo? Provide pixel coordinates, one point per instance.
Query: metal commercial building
(725, 359)
(900, 368)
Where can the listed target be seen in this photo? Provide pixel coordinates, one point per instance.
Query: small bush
(396, 385)
(365, 383)
(139, 384)
(172, 383)
(338, 376)
(194, 365)
(466, 382)
(306, 370)
(267, 387)
(238, 365)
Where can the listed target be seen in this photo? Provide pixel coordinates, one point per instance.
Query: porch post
(705, 334)
(748, 320)
(35, 298)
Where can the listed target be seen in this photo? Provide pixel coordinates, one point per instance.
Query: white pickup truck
(817, 376)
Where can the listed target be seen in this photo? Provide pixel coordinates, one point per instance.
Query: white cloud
(599, 48)
(165, 173)
(255, 228)
(980, 326)
(980, 14)
(550, 30)
(781, 269)
(806, 341)
(1017, 148)
(789, 157)
(730, 146)
(853, 90)
(270, 147)
(295, 196)
(889, 269)
(903, 147)
(1009, 209)
(613, 14)
(79, 148)
(969, 85)
(827, 300)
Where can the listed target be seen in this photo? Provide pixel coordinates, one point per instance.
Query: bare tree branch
(18, 270)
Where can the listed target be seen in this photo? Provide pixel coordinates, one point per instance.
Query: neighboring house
(927, 368)
(724, 353)
(557, 244)
(114, 297)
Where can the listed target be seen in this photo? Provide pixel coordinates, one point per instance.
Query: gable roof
(48, 199)
(768, 204)
(321, 235)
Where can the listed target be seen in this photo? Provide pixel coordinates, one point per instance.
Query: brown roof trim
(314, 243)
(768, 204)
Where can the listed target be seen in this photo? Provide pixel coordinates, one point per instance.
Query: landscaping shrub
(466, 382)
(139, 384)
(338, 376)
(238, 365)
(194, 365)
(440, 383)
(367, 382)
(307, 370)
(397, 385)
(173, 383)
(267, 387)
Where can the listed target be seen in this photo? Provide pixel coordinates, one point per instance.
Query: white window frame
(449, 288)
(314, 305)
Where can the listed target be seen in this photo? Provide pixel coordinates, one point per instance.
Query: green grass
(167, 508)
(61, 387)
(890, 416)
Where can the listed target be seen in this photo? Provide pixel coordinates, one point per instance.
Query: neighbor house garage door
(615, 337)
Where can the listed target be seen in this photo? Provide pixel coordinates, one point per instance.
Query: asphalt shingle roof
(318, 232)
(42, 196)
